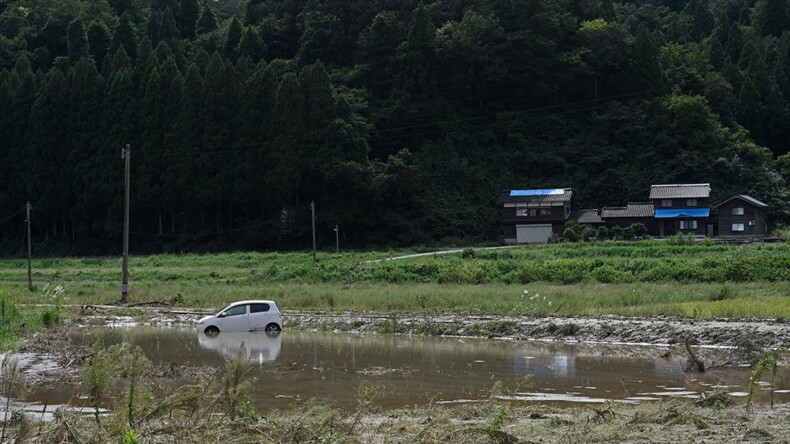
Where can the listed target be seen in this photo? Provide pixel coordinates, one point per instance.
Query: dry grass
(196, 418)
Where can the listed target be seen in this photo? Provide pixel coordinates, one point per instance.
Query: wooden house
(681, 208)
(742, 216)
(632, 213)
(533, 216)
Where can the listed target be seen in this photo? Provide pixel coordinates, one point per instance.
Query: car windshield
(225, 308)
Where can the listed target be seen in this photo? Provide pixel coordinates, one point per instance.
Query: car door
(235, 319)
(259, 316)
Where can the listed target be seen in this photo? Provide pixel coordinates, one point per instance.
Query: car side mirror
(222, 315)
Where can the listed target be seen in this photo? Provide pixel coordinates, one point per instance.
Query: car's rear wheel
(273, 328)
(211, 331)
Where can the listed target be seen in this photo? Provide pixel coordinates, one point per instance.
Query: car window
(237, 310)
(259, 308)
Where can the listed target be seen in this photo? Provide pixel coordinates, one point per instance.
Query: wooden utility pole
(29, 251)
(337, 242)
(125, 154)
(312, 212)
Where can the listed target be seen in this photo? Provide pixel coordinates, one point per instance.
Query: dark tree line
(401, 119)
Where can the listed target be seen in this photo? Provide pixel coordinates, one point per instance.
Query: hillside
(401, 119)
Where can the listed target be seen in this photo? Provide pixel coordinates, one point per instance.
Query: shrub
(609, 275)
(628, 233)
(603, 233)
(588, 234)
(50, 317)
(468, 253)
(616, 232)
(639, 229)
(575, 226)
(782, 232)
(570, 235)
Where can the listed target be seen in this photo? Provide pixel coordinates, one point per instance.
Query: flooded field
(294, 367)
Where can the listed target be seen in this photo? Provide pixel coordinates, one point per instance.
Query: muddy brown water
(401, 371)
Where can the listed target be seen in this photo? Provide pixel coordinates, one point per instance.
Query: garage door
(533, 234)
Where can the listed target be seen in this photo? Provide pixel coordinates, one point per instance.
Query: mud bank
(606, 329)
(603, 329)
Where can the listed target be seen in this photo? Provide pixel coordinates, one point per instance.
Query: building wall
(751, 213)
(511, 215)
(679, 203)
(671, 227)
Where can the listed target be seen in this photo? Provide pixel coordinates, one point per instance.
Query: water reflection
(257, 347)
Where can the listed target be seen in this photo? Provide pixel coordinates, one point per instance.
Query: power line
(13, 215)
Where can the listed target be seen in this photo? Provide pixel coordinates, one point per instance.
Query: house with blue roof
(534, 215)
(681, 208)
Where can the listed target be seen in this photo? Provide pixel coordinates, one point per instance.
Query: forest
(401, 119)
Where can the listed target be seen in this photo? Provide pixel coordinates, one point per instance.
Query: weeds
(133, 365)
(12, 384)
(97, 373)
(11, 322)
(769, 362)
(717, 399)
(236, 386)
(391, 326)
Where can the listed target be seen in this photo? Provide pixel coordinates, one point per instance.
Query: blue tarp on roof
(675, 213)
(546, 192)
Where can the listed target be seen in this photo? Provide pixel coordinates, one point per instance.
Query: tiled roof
(633, 210)
(591, 216)
(680, 191)
(745, 198)
(536, 196)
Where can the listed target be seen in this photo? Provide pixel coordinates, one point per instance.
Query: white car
(244, 316)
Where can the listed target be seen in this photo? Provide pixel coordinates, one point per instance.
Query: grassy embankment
(642, 279)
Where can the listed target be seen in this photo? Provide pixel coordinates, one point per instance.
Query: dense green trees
(402, 120)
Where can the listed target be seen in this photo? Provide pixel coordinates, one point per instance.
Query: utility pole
(29, 251)
(125, 154)
(337, 242)
(312, 211)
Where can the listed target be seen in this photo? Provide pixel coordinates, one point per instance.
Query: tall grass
(559, 264)
(643, 278)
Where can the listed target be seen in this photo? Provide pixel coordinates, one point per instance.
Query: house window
(532, 212)
(737, 211)
(666, 202)
(688, 225)
(737, 227)
(691, 202)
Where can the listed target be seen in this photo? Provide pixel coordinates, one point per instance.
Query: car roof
(255, 301)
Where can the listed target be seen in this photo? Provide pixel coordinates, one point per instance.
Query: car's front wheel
(211, 331)
(272, 328)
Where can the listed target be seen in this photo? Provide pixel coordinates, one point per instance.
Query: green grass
(646, 278)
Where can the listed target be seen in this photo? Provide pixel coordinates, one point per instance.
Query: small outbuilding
(633, 213)
(534, 216)
(590, 217)
(742, 216)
